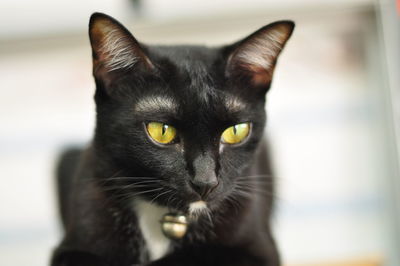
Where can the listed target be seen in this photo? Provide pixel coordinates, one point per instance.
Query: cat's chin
(194, 210)
(197, 209)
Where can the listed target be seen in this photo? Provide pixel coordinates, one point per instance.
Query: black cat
(178, 131)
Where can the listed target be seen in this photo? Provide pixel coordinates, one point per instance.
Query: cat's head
(180, 124)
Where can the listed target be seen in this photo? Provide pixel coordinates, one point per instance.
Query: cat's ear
(114, 49)
(254, 57)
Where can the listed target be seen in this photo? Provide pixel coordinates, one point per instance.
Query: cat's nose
(204, 185)
(205, 179)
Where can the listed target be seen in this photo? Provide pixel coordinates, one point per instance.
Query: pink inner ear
(255, 57)
(258, 75)
(115, 48)
(261, 77)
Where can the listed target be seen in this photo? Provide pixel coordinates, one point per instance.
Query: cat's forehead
(207, 103)
(183, 54)
(193, 62)
(196, 87)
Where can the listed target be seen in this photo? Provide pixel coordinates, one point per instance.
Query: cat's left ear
(254, 57)
(114, 49)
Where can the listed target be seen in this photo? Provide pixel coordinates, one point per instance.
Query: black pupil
(164, 128)
(234, 130)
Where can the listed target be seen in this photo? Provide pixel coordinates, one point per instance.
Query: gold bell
(174, 226)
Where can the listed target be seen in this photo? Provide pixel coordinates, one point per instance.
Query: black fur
(101, 227)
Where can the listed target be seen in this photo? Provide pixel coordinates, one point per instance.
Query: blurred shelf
(351, 262)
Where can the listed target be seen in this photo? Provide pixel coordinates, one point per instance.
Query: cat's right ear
(114, 49)
(254, 57)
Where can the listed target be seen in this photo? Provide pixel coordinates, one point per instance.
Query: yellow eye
(236, 133)
(161, 133)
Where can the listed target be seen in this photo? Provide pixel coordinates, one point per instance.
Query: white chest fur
(149, 216)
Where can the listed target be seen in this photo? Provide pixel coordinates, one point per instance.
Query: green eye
(236, 133)
(161, 133)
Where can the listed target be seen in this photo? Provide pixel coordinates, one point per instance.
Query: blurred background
(333, 115)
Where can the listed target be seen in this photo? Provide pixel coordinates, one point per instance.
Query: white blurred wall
(33, 18)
